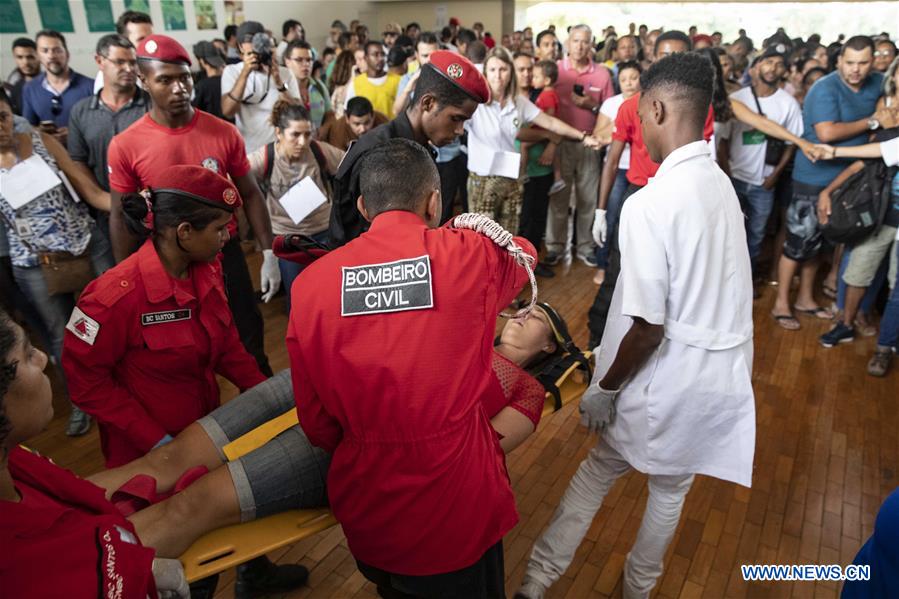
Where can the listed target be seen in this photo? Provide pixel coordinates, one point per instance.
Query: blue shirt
(37, 100)
(830, 99)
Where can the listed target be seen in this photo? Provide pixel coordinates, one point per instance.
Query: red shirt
(64, 539)
(597, 83)
(628, 130)
(140, 155)
(548, 102)
(417, 478)
(142, 349)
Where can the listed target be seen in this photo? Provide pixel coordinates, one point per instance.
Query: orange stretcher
(231, 546)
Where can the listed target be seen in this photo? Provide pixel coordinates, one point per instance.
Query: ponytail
(136, 209)
(284, 111)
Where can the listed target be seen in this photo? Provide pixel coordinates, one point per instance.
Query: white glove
(170, 580)
(270, 276)
(597, 408)
(600, 229)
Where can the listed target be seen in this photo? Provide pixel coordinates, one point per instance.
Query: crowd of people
(127, 194)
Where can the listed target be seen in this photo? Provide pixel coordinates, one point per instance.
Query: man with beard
(744, 151)
(173, 133)
(49, 97)
(28, 67)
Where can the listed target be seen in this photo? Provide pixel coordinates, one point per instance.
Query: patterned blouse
(52, 222)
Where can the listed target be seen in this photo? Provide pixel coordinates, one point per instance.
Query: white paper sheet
(26, 181)
(500, 164)
(301, 199)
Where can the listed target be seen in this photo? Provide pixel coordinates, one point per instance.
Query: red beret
(162, 48)
(701, 37)
(462, 74)
(201, 184)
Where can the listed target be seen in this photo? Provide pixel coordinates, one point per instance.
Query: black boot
(260, 576)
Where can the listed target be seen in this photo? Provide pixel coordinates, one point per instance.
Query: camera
(262, 47)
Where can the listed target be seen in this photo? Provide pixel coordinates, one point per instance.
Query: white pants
(555, 549)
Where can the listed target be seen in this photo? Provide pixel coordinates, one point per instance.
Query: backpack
(327, 177)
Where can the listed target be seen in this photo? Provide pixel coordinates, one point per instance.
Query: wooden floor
(827, 455)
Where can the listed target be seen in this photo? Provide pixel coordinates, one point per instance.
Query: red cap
(701, 37)
(201, 184)
(162, 48)
(462, 74)
(454, 22)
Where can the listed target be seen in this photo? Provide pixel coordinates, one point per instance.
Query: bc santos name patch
(388, 287)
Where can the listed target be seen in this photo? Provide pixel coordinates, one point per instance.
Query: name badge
(389, 287)
(163, 317)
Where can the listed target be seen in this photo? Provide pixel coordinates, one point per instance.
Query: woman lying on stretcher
(287, 472)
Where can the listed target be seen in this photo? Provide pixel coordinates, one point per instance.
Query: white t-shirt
(259, 97)
(890, 151)
(610, 109)
(747, 146)
(494, 128)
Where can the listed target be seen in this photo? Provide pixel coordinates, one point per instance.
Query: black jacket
(346, 221)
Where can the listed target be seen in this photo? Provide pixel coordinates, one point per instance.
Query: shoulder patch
(387, 287)
(83, 326)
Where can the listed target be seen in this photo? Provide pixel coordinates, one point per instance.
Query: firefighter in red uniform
(147, 338)
(390, 341)
(59, 535)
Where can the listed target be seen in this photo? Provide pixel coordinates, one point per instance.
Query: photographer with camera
(254, 86)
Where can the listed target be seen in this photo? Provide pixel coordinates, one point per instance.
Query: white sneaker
(530, 589)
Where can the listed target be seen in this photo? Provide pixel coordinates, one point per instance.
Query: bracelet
(232, 97)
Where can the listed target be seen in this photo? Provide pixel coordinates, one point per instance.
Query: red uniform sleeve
(624, 126)
(90, 372)
(322, 429)
(122, 177)
(510, 276)
(708, 129)
(238, 164)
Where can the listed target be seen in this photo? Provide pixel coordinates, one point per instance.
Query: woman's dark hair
(8, 340)
(820, 71)
(629, 64)
(343, 70)
(169, 210)
(4, 97)
(283, 112)
(720, 101)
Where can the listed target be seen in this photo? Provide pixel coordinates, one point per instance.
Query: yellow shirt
(381, 96)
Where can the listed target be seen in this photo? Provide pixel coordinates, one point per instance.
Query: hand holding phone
(578, 90)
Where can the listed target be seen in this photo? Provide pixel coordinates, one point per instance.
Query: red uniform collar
(158, 282)
(394, 218)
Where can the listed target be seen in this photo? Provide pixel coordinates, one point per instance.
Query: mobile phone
(579, 90)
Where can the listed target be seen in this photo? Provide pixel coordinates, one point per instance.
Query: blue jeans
(291, 270)
(613, 213)
(871, 292)
(757, 203)
(54, 310)
(889, 324)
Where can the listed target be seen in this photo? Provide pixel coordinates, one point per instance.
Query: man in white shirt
(672, 394)
(251, 88)
(755, 165)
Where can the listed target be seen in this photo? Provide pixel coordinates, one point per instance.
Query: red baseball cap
(454, 21)
(203, 185)
(461, 73)
(162, 48)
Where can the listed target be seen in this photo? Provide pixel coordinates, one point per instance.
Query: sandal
(829, 292)
(786, 321)
(818, 312)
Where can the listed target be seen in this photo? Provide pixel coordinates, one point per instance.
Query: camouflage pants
(496, 197)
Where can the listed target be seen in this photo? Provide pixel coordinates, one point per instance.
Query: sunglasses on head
(55, 105)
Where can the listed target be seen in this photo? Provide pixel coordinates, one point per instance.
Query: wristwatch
(873, 124)
(282, 88)
(595, 110)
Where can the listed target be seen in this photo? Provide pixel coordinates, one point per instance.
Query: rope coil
(494, 231)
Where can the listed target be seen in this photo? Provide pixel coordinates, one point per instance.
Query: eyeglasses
(55, 105)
